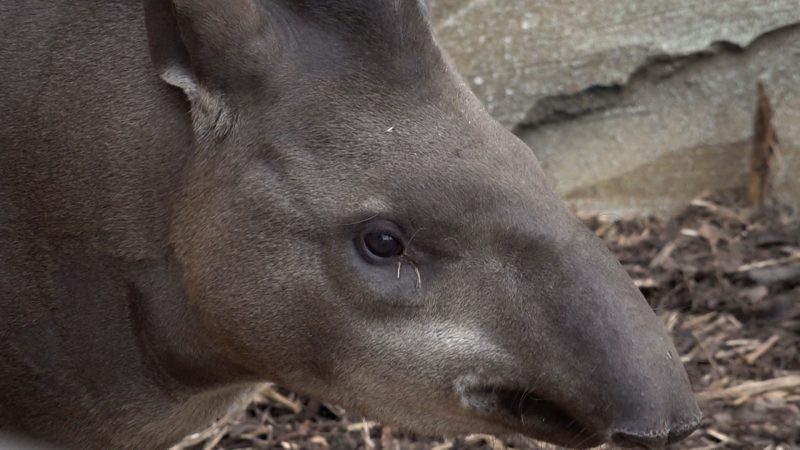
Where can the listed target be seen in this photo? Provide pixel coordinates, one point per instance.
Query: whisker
(418, 283)
(419, 277)
(589, 437)
(519, 405)
(358, 222)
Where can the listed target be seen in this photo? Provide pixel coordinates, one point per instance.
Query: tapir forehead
(386, 117)
(432, 149)
(469, 187)
(413, 139)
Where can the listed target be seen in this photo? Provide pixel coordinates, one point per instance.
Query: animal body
(199, 196)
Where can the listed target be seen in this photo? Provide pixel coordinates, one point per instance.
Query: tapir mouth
(528, 412)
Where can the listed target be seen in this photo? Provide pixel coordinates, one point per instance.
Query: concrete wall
(639, 105)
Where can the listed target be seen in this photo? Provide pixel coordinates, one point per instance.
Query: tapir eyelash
(413, 235)
(358, 222)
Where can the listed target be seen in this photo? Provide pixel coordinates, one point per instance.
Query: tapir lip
(528, 412)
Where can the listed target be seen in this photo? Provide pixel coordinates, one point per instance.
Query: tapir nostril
(650, 440)
(682, 431)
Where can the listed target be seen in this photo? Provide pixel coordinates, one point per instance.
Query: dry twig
(752, 388)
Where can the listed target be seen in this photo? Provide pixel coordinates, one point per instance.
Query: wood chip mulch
(725, 279)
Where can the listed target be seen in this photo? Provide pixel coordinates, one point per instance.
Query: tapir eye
(382, 244)
(380, 241)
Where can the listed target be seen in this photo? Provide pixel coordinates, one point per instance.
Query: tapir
(197, 196)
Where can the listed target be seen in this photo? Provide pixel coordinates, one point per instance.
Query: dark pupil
(382, 244)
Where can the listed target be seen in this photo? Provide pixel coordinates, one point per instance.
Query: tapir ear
(196, 45)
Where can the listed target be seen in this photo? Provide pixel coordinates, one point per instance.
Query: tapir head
(354, 226)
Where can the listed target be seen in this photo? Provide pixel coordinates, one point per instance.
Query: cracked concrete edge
(633, 107)
(662, 141)
(461, 10)
(597, 98)
(515, 53)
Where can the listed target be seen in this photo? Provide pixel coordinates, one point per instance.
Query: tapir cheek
(448, 347)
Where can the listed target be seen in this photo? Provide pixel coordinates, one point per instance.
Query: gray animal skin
(10, 442)
(200, 195)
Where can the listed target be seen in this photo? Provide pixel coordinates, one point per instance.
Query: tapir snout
(593, 362)
(639, 379)
(629, 369)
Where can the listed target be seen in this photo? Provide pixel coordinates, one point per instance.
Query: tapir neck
(121, 350)
(93, 300)
(169, 333)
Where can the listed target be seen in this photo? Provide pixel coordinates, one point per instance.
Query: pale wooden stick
(762, 349)
(750, 388)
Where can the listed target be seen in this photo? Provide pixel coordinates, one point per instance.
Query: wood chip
(647, 283)
(762, 157)
(211, 443)
(320, 441)
(719, 210)
(695, 321)
(276, 397)
(762, 349)
(363, 425)
(688, 232)
(769, 263)
(444, 446)
(724, 438)
(752, 388)
(663, 255)
(491, 441)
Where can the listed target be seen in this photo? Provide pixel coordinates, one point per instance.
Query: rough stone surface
(634, 106)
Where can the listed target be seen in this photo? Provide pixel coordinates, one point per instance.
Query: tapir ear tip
(179, 77)
(173, 64)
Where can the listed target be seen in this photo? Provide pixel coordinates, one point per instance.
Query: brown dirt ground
(724, 279)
